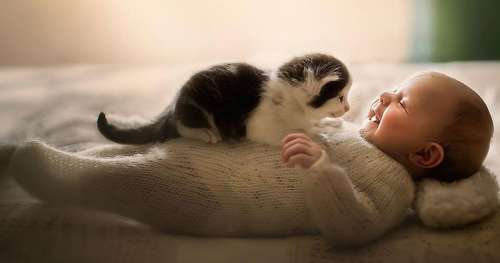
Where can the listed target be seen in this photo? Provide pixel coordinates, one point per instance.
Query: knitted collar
(448, 205)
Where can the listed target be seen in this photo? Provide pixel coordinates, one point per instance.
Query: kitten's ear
(308, 86)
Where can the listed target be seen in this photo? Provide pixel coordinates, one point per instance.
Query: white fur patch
(202, 134)
(445, 205)
(270, 122)
(283, 109)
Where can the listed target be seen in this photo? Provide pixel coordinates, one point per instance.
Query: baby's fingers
(296, 141)
(293, 136)
(294, 150)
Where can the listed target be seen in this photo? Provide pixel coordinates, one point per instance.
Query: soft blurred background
(64, 61)
(53, 32)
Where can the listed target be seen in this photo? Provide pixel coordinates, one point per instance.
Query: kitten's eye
(341, 98)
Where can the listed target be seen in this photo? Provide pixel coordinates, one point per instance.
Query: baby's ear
(429, 156)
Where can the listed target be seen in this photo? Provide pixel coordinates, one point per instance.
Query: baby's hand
(299, 149)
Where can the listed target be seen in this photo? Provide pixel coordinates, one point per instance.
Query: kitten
(237, 100)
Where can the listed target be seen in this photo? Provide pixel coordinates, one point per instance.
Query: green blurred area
(451, 30)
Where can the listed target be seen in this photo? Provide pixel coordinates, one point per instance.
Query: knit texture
(185, 186)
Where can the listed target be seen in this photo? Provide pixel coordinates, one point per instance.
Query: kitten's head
(321, 84)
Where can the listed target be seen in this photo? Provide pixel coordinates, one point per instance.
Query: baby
(356, 188)
(434, 125)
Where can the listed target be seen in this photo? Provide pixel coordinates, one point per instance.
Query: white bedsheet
(61, 104)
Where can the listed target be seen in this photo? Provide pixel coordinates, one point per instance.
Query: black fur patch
(228, 92)
(295, 72)
(328, 91)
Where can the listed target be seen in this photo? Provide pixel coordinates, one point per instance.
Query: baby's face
(400, 122)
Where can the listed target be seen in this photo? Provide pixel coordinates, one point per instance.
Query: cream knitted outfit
(185, 186)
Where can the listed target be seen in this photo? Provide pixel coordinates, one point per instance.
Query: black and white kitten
(237, 100)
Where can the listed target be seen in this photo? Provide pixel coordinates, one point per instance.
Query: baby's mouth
(374, 119)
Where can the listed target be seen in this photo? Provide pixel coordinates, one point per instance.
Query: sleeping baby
(356, 185)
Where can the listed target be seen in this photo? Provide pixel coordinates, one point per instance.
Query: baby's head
(434, 125)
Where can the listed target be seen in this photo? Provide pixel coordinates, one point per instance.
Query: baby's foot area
(39, 169)
(27, 156)
(6, 152)
(28, 168)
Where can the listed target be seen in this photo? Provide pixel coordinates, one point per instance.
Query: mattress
(60, 105)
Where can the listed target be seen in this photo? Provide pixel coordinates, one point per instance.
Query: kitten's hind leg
(193, 123)
(202, 134)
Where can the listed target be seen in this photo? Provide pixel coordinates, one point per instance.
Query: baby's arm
(345, 215)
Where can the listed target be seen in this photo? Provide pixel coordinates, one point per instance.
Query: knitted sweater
(185, 186)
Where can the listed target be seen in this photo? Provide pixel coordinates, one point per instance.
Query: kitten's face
(321, 83)
(330, 101)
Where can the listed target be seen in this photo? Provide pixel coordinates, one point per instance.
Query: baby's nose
(346, 108)
(380, 107)
(386, 98)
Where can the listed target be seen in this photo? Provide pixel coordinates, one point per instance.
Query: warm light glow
(132, 31)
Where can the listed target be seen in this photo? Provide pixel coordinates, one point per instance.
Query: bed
(60, 106)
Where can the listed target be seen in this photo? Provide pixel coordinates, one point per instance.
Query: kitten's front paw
(329, 122)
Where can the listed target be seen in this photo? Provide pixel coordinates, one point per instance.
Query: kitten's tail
(6, 151)
(162, 129)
